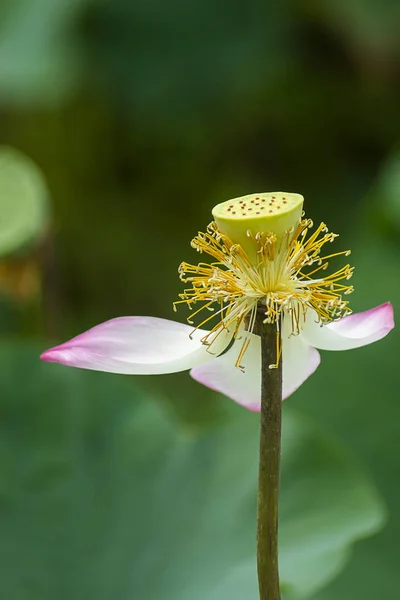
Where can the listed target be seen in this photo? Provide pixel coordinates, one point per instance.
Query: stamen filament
(279, 280)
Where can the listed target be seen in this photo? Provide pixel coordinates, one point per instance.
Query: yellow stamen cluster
(286, 279)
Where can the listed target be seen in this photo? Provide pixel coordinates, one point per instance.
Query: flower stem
(269, 469)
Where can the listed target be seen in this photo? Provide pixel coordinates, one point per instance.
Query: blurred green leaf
(103, 495)
(326, 502)
(38, 54)
(366, 23)
(385, 195)
(23, 201)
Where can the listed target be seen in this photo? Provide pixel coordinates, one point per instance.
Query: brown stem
(269, 469)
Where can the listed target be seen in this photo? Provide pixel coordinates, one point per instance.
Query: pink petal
(299, 362)
(353, 331)
(137, 345)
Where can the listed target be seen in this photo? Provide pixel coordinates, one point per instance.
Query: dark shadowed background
(141, 115)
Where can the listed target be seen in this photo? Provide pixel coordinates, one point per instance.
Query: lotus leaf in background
(104, 494)
(24, 202)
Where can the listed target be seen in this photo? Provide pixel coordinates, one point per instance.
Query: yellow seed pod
(242, 218)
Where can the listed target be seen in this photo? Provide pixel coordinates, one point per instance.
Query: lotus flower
(280, 273)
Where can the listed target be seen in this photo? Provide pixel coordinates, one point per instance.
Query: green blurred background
(139, 116)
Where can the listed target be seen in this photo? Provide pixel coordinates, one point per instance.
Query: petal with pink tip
(353, 331)
(299, 362)
(137, 345)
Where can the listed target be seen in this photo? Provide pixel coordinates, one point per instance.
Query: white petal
(353, 331)
(299, 361)
(137, 345)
